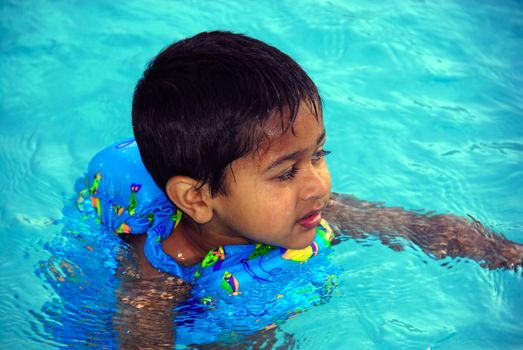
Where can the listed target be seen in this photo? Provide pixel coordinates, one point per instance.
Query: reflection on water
(98, 299)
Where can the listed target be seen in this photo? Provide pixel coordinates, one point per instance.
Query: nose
(316, 183)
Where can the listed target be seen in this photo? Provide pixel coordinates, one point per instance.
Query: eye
(289, 174)
(316, 157)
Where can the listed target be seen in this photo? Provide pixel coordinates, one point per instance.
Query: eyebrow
(294, 155)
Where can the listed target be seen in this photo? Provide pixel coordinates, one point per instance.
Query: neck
(190, 242)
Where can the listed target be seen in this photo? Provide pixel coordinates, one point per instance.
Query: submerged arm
(146, 301)
(441, 235)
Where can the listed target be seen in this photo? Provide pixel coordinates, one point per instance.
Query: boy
(232, 131)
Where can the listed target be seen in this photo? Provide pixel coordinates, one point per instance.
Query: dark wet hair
(202, 102)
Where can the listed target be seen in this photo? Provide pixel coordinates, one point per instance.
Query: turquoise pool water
(423, 106)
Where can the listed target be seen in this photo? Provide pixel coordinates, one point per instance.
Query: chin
(302, 244)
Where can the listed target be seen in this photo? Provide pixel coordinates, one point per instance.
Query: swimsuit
(120, 194)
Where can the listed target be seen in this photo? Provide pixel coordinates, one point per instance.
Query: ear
(190, 198)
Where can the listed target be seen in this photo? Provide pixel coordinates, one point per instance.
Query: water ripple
(16, 159)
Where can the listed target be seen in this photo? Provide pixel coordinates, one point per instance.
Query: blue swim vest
(121, 195)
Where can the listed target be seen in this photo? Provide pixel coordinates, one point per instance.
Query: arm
(145, 302)
(144, 317)
(439, 235)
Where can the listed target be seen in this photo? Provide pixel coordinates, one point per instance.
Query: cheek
(275, 202)
(328, 179)
(325, 175)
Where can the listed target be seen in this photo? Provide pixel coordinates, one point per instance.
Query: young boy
(231, 130)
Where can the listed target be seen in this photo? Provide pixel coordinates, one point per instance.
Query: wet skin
(275, 194)
(278, 194)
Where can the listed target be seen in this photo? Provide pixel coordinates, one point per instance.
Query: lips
(311, 220)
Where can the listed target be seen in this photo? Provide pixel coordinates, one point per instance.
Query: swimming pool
(423, 106)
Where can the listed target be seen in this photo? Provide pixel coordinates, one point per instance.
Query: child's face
(277, 193)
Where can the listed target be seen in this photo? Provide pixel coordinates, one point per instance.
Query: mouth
(311, 220)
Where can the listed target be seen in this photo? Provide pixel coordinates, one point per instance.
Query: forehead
(278, 137)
